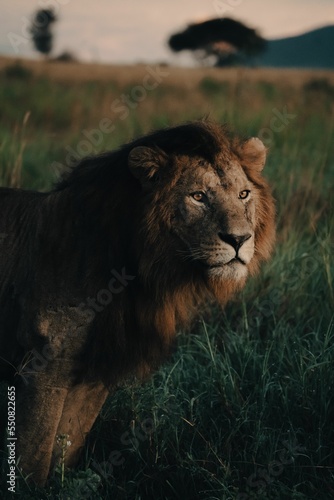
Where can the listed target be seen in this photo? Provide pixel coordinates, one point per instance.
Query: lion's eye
(199, 196)
(244, 194)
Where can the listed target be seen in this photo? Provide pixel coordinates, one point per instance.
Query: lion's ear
(145, 162)
(254, 153)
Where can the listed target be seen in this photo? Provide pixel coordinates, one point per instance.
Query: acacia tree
(226, 39)
(41, 31)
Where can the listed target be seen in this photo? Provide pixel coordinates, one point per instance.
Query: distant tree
(41, 32)
(66, 56)
(228, 40)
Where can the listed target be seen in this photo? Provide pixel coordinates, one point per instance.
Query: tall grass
(244, 409)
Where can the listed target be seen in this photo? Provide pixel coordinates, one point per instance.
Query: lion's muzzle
(235, 240)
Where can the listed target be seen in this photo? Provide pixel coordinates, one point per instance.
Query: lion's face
(219, 212)
(215, 217)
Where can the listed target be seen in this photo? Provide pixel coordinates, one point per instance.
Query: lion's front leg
(81, 408)
(39, 409)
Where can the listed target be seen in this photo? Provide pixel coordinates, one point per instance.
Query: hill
(313, 49)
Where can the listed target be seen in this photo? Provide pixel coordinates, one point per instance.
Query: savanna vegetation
(244, 409)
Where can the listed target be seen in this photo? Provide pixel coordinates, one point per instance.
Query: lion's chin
(233, 270)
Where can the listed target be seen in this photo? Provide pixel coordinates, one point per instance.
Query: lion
(98, 274)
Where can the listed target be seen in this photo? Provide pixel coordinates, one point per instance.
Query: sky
(131, 31)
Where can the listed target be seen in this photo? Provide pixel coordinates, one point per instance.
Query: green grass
(244, 409)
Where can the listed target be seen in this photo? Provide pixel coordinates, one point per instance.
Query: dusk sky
(131, 31)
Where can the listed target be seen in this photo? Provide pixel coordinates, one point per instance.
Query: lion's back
(18, 210)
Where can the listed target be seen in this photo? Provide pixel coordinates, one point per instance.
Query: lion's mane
(166, 292)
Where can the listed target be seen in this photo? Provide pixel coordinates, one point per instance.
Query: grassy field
(244, 409)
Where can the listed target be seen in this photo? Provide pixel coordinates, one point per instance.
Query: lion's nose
(235, 240)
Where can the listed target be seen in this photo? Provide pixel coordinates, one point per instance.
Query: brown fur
(126, 220)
